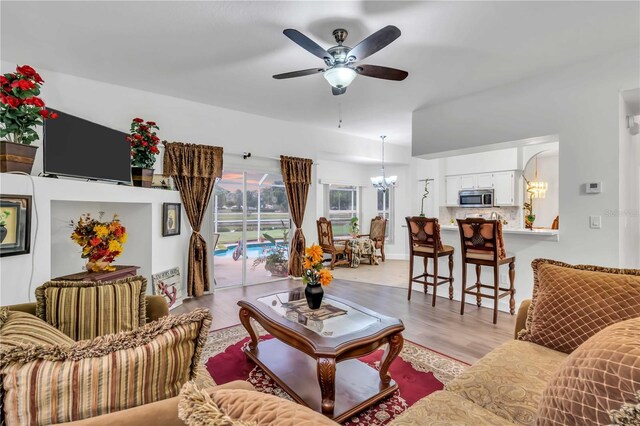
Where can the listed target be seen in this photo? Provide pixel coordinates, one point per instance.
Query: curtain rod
(245, 157)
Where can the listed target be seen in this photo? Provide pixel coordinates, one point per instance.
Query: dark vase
(314, 294)
(142, 177)
(16, 157)
(3, 233)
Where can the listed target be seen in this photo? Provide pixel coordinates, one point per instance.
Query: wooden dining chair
(329, 245)
(482, 244)
(378, 234)
(425, 242)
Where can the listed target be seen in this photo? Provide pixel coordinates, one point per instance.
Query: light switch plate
(595, 222)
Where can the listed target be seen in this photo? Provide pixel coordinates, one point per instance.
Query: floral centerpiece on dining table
(101, 242)
(315, 276)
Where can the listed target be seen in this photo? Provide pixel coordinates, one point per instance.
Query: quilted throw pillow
(85, 310)
(239, 407)
(596, 380)
(55, 384)
(572, 303)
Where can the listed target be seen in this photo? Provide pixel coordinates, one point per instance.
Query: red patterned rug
(418, 371)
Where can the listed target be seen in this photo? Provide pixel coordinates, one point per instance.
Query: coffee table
(313, 355)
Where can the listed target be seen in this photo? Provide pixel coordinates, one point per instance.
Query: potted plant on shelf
(315, 275)
(529, 216)
(101, 242)
(275, 257)
(354, 228)
(21, 112)
(144, 148)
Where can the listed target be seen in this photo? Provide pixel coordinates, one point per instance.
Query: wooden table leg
(245, 319)
(327, 381)
(396, 341)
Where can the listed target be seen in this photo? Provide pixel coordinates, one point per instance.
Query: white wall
(57, 201)
(580, 104)
(181, 120)
(629, 210)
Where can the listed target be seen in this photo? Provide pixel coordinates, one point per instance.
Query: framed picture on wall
(169, 284)
(171, 219)
(15, 224)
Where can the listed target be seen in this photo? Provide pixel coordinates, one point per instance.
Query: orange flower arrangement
(314, 271)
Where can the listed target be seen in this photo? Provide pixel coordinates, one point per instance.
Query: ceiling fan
(341, 60)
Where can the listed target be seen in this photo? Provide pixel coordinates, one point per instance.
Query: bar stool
(425, 242)
(482, 244)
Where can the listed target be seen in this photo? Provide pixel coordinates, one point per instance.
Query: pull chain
(339, 115)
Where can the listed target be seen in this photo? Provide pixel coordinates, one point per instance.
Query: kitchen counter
(531, 232)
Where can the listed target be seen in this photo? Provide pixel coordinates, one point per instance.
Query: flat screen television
(79, 148)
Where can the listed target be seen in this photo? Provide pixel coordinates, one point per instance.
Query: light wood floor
(440, 328)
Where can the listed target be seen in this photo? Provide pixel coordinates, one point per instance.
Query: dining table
(358, 248)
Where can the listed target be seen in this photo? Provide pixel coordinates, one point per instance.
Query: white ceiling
(224, 53)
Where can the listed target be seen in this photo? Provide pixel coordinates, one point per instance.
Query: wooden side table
(121, 271)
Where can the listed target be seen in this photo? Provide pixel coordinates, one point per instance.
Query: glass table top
(332, 319)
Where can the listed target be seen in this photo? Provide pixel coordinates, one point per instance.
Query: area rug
(417, 370)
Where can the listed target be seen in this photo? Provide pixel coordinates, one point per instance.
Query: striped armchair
(163, 412)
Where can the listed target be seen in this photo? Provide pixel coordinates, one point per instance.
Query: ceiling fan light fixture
(340, 77)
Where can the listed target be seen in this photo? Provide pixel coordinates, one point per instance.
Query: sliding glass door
(251, 225)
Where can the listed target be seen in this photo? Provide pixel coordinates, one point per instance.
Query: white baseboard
(396, 256)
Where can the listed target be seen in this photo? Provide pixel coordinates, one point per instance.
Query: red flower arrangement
(21, 110)
(144, 143)
(101, 242)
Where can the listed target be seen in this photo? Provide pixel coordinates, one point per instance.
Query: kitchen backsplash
(512, 215)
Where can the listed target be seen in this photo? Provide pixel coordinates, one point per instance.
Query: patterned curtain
(296, 174)
(194, 169)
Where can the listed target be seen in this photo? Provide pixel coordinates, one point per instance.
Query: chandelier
(381, 183)
(537, 188)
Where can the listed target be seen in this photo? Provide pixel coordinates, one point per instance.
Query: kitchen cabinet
(504, 184)
(484, 181)
(467, 181)
(452, 184)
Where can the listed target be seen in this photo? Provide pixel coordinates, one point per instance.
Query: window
(341, 205)
(385, 209)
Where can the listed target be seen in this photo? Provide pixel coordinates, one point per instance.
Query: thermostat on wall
(594, 187)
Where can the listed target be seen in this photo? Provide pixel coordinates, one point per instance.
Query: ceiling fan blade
(298, 73)
(306, 43)
(377, 71)
(337, 91)
(374, 42)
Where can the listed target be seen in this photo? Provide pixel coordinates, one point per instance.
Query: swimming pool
(253, 250)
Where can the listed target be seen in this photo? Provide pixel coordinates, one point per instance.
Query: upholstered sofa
(504, 387)
(509, 385)
(591, 315)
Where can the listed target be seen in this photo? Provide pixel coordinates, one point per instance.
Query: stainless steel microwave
(476, 198)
